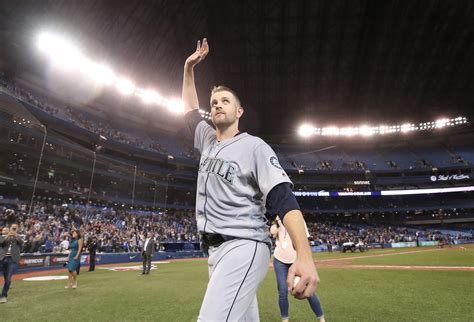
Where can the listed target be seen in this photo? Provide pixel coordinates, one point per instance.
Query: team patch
(274, 162)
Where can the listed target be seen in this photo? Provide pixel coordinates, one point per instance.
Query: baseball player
(239, 175)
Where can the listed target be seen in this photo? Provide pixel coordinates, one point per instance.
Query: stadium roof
(325, 62)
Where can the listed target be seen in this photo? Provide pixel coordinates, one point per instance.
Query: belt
(214, 240)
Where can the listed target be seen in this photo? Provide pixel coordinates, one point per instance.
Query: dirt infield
(84, 269)
(21, 276)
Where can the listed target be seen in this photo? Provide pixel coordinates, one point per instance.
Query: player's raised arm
(189, 95)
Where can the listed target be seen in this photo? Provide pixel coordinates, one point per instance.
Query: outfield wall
(29, 262)
(408, 244)
(324, 248)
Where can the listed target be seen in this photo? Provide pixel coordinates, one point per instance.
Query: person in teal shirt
(74, 257)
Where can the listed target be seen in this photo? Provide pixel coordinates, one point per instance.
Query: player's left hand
(202, 49)
(309, 278)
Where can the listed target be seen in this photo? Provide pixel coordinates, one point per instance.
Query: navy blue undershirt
(280, 201)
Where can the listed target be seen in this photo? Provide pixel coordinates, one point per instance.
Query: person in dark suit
(92, 248)
(148, 252)
(10, 248)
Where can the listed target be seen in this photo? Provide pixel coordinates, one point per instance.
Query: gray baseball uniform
(235, 177)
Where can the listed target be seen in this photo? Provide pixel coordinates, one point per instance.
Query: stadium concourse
(367, 108)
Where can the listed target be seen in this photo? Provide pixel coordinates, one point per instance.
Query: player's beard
(225, 121)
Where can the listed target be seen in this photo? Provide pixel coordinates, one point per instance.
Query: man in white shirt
(64, 245)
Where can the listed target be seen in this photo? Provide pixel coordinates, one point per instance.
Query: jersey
(234, 179)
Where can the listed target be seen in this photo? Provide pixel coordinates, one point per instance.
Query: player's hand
(76, 258)
(201, 52)
(309, 278)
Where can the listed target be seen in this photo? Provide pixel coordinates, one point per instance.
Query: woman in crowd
(74, 257)
(283, 257)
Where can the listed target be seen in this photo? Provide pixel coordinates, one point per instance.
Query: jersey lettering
(221, 168)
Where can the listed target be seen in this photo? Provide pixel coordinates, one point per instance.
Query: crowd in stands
(47, 226)
(88, 122)
(116, 185)
(30, 98)
(100, 128)
(339, 233)
(403, 158)
(24, 166)
(332, 162)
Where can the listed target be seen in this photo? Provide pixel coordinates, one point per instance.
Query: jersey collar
(236, 134)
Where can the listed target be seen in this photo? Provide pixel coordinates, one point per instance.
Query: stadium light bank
(66, 55)
(307, 130)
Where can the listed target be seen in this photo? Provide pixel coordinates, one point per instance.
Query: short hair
(222, 88)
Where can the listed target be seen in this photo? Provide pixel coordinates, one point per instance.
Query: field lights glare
(175, 105)
(61, 52)
(125, 86)
(65, 54)
(101, 74)
(149, 96)
(305, 130)
(367, 130)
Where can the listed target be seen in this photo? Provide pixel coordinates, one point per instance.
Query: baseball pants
(236, 269)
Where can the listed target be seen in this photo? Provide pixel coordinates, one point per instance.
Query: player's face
(225, 110)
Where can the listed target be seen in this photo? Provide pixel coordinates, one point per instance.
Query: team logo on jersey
(221, 168)
(274, 162)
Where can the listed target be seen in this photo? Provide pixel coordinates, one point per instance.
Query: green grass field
(174, 292)
(447, 257)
